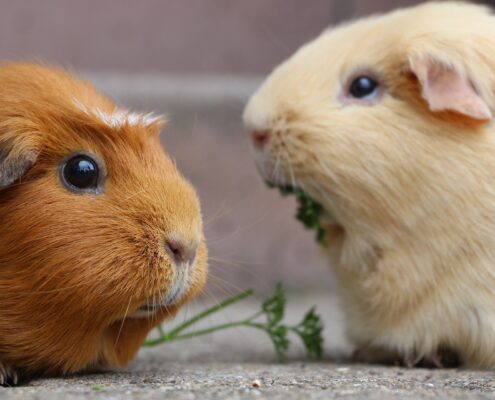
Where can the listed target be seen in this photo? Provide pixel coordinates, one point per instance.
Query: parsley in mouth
(308, 211)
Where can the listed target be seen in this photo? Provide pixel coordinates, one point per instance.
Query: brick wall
(193, 36)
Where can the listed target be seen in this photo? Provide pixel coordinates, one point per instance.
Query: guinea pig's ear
(16, 157)
(445, 88)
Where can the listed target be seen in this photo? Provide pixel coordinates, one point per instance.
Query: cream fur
(119, 117)
(410, 193)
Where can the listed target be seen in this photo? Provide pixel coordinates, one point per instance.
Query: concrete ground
(241, 364)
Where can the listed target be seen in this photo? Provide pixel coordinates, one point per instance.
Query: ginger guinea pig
(100, 235)
(387, 123)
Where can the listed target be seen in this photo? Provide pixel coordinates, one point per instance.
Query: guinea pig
(387, 122)
(100, 236)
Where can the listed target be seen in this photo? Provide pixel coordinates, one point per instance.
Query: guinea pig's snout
(181, 252)
(260, 138)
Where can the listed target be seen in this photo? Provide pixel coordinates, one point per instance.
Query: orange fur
(73, 266)
(407, 180)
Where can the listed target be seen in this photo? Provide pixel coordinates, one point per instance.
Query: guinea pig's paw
(8, 377)
(443, 357)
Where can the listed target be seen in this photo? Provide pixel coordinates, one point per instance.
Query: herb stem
(168, 337)
(174, 334)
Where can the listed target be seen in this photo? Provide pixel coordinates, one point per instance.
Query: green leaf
(279, 336)
(274, 307)
(97, 387)
(310, 331)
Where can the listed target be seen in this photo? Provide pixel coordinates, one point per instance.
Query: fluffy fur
(407, 182)
(74, 267)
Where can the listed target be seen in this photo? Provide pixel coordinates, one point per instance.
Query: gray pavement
(240, 364)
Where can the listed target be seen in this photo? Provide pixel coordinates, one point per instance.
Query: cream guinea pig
(100, 235)
(388, 123)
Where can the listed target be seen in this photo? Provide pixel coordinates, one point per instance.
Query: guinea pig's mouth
(172, 297)
(309, 211)
(168, 301)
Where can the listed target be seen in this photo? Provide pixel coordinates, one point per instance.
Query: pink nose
(260, 138)
(181, 252)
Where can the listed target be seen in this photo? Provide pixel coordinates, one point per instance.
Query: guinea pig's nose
(180, 251)
(260, 138)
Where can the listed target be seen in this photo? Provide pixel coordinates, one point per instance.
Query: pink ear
(446, 89)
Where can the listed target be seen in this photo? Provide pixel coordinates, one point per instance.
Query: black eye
(363, 86)
(80, 173)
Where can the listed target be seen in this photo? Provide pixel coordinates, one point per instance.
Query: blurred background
(197, 61)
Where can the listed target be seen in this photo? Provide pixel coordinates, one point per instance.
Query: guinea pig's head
(100, 236)
(374, 118)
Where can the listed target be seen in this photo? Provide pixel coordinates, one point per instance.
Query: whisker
(228, 288)
(123, 321)
(135, 194)
(221, 212)
(236, 263)
(291, 173)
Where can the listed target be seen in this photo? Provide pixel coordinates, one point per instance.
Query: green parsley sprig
(268, 319)
(308, 210)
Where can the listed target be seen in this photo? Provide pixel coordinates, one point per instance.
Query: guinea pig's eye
(80, 173)
(363, 86)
